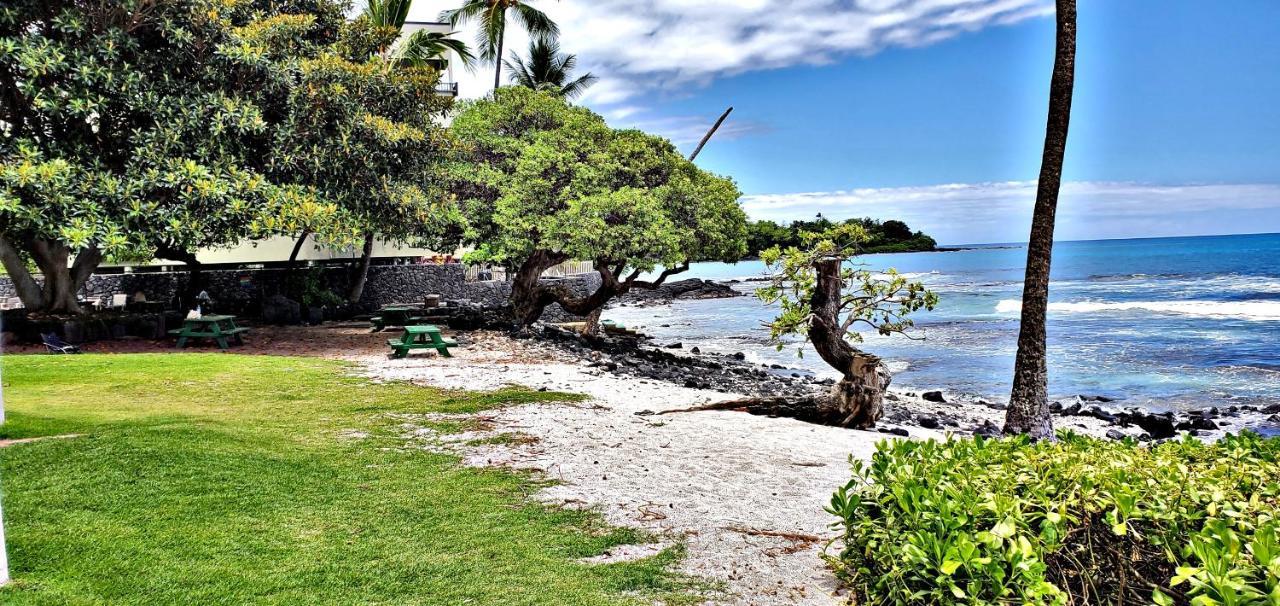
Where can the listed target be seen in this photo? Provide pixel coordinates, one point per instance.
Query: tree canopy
(887, 236)
(140, 128)
(121, 130)
(544, 182)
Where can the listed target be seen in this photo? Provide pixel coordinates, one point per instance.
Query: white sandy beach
(743, 493)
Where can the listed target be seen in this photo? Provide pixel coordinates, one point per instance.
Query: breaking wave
(1245, 310)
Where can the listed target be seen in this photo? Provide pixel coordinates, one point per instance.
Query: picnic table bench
(395, 315)
(218, 328)
(420, 337)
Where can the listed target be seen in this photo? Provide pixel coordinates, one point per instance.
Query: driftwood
(805, 408)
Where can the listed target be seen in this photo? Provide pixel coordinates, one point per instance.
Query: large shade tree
(361, 131)
(492, 17)
(1029, 401)
(123, 131)
(545, 182)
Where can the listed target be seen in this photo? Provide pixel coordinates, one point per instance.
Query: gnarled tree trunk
(1029, 400)
(857, 400)
(362, 271)
(527, 302)
(62, 279)
(530, 297)
(24, 283)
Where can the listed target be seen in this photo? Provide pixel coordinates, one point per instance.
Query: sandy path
(742, 492)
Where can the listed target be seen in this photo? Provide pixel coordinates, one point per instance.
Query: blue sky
(933, 110)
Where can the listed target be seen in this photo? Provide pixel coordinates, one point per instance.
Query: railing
(447, 88)
(569, 268)
(478, 273)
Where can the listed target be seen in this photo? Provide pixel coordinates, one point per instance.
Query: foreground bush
(1080, 521)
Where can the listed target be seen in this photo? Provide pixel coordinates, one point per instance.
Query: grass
(223, 479)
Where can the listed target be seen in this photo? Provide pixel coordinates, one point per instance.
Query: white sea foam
(1246, 310)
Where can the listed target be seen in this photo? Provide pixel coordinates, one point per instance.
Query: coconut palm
(422, 48)
(492, 17)
(548, 69)
(1029, 401)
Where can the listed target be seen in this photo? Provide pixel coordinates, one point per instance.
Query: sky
(933, 111)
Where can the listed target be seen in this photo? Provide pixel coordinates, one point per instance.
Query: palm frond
(574, 89)
(536, 22)
(388, 13)
(428, 48)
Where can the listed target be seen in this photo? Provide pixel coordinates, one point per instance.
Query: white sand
(741, 492)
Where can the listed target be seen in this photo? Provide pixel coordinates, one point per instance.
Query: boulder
(933, 396)
(281, 310)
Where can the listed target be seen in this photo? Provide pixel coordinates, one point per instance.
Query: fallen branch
(790, 536)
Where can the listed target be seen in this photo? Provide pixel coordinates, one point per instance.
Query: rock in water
(933, 396)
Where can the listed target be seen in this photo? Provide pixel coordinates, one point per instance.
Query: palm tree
(1029, 401)
(422, 48)
(492, 17)
(548, 69)
(431, 48)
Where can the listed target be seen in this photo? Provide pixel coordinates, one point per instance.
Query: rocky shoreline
(639, 356)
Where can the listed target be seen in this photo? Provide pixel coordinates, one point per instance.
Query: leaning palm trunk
(1029, 401)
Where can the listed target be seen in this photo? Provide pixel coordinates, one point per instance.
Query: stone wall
(241, 292)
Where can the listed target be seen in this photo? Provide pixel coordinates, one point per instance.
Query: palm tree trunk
(1029, 401)
(497, 71)
(707, 137)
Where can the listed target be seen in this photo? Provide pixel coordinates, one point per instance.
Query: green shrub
(1078, 521)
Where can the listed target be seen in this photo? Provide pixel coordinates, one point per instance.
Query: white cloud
(645, 45)
(1001, 212)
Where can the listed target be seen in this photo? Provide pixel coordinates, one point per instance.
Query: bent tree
(545, 182)
(826, 299)
(1029, 400)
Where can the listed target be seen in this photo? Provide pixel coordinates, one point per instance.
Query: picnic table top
(209, 318)
(424, 328)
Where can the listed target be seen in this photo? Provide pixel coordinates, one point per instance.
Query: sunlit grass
(223, 479)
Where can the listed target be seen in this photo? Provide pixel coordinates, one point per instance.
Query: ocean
(1163, 323)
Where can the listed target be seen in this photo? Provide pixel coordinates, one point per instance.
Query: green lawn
(222, 479)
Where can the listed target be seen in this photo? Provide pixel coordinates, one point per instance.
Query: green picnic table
(425, 336)
(394, 315)
(218, 328)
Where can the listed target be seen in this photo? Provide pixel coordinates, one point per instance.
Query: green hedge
(1078, 521)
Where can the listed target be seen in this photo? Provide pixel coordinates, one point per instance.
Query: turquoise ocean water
(1163, 323)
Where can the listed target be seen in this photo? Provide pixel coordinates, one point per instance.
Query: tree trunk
(195, 272)
(28, 290)
(60, 282)
(591, 325)
(362, 271)
(62, 279)
(858, 399)
(707, 137)
(497, 71)
(297, 248)
(527, 299)
(1029, 400)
